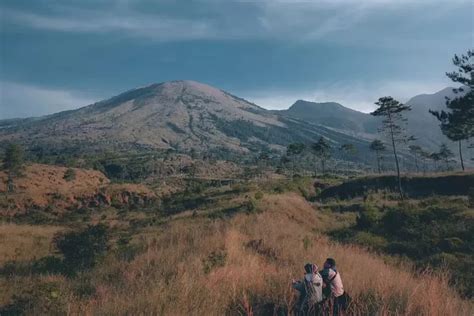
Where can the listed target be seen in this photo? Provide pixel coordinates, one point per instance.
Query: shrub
(48, 264)
(370, 240)
(40, 298)
(251, 206)
(213, 260)
(69, 175)
(470, 196)
(82, 250)
(368, 218)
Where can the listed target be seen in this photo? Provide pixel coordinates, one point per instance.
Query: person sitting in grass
(337, 298)
(311, 291)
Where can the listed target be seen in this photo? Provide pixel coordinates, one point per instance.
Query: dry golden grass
(25, 242)
(169, 278)
(40, 184)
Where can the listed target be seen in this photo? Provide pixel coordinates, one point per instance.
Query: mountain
(179, 115)
(333, 115)
(423, 125)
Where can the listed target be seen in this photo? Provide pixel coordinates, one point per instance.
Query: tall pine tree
(393, 125)
(457, 123)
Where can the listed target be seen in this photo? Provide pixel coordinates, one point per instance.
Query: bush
(39, 298)
(470, 196)
(82, 250)
(215, 259)
(251, 206)
(69, 175)
(370, 240)
(368, 218)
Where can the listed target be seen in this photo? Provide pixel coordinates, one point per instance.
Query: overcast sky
(58, 55)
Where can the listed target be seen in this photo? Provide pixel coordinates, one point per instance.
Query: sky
(64, 54)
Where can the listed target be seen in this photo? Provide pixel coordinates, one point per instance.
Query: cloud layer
(272, 52)
(302, 20)
(19, 100)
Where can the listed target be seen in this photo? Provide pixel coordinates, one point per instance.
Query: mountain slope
(181, 115)
(333, 115)
(423, 124)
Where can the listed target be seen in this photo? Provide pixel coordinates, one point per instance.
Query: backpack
(314, 290)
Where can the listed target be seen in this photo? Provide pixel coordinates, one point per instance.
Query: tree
(424, 155)
(294, 150)
(458, 122)
(435, 157)
(378, 147)
(392, 111)
(322, 150)
(13, 163)
(416, 151)
(445, 154)
(348, 150)
(262, 161)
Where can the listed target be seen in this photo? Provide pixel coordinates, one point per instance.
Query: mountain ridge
(185, 115)
(179, 115)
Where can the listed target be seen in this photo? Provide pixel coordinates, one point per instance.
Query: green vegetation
(13, 162)
(70, 174)
(432, 232)
(322, 150)
(82, 250)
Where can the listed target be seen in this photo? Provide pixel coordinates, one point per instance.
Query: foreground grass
(239, 264)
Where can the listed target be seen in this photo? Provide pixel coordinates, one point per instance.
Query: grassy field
(234, 254)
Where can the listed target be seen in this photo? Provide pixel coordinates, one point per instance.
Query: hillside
(234, 254)
(423, 124)
(333, 115)
(178, 115)
(46, 189)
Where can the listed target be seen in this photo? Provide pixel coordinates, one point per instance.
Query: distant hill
(421, 124)
(178, 115)
(333, 115)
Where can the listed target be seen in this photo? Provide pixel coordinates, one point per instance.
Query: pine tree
(424, 155)
(435, 157)
(348, 150)
(294, 150)
(392, 111)
(458, 122)
(322, 150)
(416, 151)
(445, 154)
(378, 147)
(13, 163)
